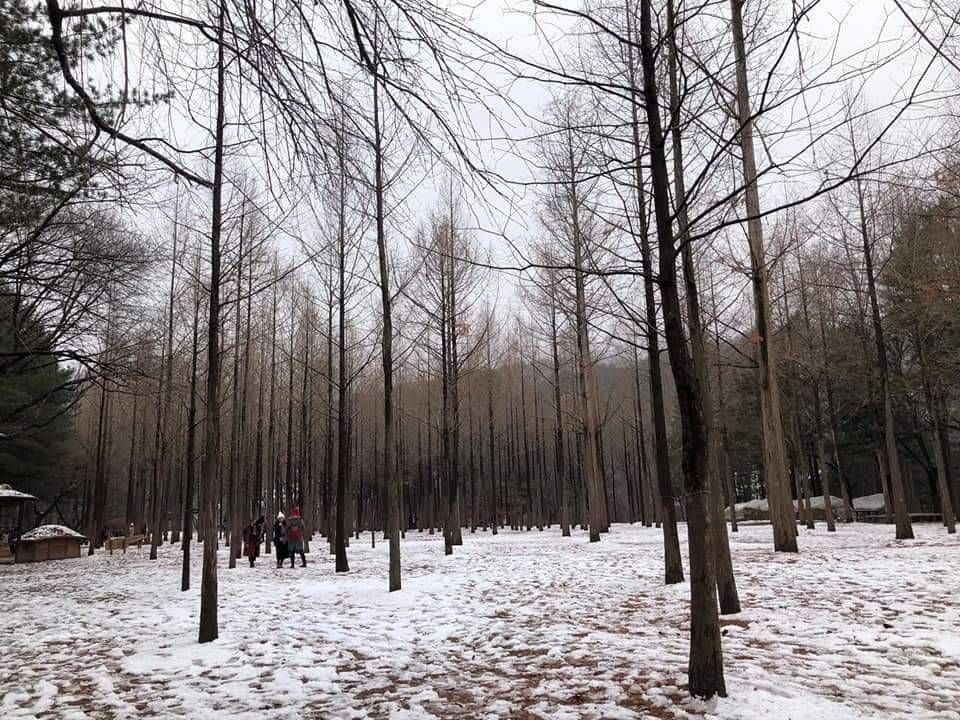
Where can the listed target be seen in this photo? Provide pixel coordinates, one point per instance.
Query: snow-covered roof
(45, 532)
(8, 493)
(869, 503)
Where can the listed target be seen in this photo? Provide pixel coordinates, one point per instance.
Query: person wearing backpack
(295, 531)
(280, 539)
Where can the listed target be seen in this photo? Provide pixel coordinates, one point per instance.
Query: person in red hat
(295, 533)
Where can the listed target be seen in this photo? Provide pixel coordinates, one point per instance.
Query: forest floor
(521, 625)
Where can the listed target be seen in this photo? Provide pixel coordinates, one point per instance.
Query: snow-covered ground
(520, 625)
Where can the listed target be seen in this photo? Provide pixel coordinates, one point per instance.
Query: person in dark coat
(280, 538)
(259, 529)
(250, 545)
(295, 533)
(14, 539)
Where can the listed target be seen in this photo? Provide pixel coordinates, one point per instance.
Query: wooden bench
(124, 542)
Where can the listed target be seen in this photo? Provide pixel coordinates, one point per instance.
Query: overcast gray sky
(838, 37)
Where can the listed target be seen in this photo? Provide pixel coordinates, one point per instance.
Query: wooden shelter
(12, 507)
(49, 542)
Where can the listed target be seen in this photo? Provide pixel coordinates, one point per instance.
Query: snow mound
(45, 532)
(760, 509)
(817, 503)
(869, 503)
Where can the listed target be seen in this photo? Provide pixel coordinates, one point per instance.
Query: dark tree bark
(941, 448)
(233, 463)
(586, 385)
(271, 453)
(208, 592)
(705, 672)
(775, 458)
(834, 425)
(491, 439)
(102, 472)
(392, 515)
(673, 566)
(191, 437)
(132, 463)
(897, 495)
(288, 498)
(559, 465)
(343, 421)
(726, 582)
(823, 472)
(157, 465)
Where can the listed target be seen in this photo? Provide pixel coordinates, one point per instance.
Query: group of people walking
(288, 538)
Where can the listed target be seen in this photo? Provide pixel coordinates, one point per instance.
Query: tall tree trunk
(559, 464)
(244, 451)
(131, 465)
(343, 421)
(774, 449)
(191, 451)
(431, 483)
(329, 487)
(726, 582)
(453, 491)
(940, 447)
(233, 466)
(897, 495)
(639, 441)
(472, 467)
(801, 480)
(586, 384)
(673, 565)
(631, 515)
(392, 513)
(166, 424)
(271, 453)
(823, 472)
(288, 498)
(526, 503)
(99, 494)
(491, 438)
(834, 425)
(157, 466)
(705, 670)
(726, 478)
(208, 592)
(303, 495)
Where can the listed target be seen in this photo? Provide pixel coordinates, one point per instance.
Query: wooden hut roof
(47, 532)
(8, 493)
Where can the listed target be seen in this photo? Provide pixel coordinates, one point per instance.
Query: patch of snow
(522, 624)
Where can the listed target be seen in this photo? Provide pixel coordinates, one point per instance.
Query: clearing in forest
(521, 625)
